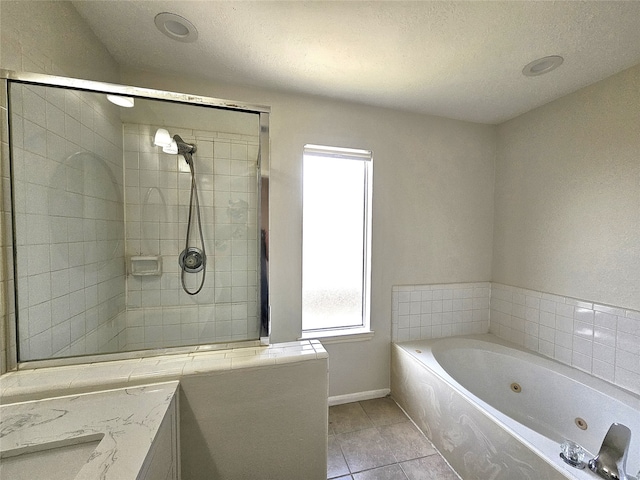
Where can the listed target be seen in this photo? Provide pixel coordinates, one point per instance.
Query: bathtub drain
(515, 387)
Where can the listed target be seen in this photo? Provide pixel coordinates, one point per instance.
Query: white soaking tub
(498, 412)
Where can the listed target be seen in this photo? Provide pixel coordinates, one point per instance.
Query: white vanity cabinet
(163, 459)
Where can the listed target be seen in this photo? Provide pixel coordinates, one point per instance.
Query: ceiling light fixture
(126, 102)
(542, 65)
(176, 27)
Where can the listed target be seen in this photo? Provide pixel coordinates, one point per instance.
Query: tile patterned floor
(374, 440)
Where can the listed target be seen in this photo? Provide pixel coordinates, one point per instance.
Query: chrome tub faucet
(611, 461)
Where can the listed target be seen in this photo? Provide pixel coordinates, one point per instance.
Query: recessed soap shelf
(145, 265)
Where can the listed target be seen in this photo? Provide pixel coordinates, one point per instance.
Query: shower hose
(193, 201)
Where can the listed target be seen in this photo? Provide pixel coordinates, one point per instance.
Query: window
(336, 240)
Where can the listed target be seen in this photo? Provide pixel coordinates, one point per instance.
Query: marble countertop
(125, 420)
(33, 384)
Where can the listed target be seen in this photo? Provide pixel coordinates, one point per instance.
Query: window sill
(339, 336)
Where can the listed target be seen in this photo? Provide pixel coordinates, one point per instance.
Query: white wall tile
(603, 370)
(628, 343)
(608, 309)
(600, 339)
(433, 311)
(234, 264)
(562, 354)
(583, 330)
(629, 324)
(582, 362)
(604, 353)
(605, 319)
(564, 324)
(627, 379)
(584, 315)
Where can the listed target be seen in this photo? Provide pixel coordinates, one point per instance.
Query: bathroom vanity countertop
(33, 384)
(125, 421)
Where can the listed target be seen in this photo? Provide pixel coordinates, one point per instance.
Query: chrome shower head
(184, 147)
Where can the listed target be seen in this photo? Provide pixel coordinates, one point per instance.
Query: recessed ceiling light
(542, 65)
(121, 101)
(176, 27)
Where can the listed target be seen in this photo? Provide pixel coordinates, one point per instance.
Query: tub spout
(610, 463)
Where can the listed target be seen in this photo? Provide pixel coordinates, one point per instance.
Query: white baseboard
(358, 397)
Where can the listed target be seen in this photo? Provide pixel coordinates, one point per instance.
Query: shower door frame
(263, 313)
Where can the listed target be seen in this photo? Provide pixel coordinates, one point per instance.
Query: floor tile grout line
(382, 466)
(396, 462)
(377, 428)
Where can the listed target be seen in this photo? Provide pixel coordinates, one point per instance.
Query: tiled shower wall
(432, 311)
(599, 339)
(159, 312)
(69, 221)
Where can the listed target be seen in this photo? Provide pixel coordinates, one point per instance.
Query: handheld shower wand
(191, 259)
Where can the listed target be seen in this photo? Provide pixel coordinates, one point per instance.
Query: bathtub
(498, 412)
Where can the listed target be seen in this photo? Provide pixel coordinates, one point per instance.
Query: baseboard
(358, 397)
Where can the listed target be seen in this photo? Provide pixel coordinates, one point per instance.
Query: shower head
(174, 145)
(184, 147)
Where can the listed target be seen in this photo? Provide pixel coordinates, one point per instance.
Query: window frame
(363, 331)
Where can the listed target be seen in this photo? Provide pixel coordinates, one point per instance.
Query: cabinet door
(162, 462)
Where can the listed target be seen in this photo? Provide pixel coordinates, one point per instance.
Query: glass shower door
(101, 214)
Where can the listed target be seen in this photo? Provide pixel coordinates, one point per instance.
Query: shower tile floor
(375, 440)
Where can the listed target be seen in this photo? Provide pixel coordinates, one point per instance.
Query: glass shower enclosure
(136, 225)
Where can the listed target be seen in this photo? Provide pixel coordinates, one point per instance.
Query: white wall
(52, 38)
(432, 206)
(567, 226)
(567, 200)
(566, 186)
(433, 188)
(433, 180)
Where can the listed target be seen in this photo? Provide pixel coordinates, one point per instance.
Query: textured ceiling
(460, 60)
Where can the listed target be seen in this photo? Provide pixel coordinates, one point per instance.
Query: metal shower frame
(263, 313)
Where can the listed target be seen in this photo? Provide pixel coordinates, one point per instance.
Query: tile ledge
(26, 384)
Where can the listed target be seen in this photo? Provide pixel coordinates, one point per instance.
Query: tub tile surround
(124, 421)
(33, 384)
(421, 312)
(601, 340)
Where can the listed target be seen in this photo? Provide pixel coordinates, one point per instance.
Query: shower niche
(126, 237)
